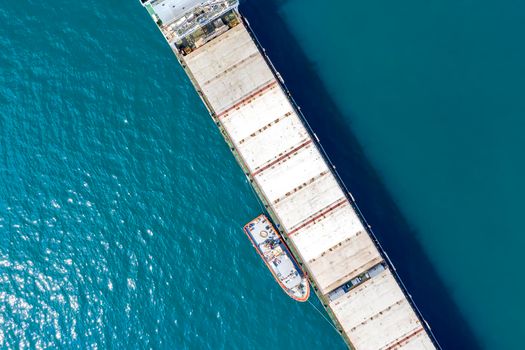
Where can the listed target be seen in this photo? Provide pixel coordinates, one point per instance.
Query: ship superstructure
(292, 176)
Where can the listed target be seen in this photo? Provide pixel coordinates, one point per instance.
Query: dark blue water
(421, 106)
(121, 207)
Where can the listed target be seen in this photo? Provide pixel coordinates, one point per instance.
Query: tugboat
(277, 257)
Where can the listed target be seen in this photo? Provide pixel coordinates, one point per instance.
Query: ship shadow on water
(393, 231)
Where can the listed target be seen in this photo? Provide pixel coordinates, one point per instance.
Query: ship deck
(301, 192)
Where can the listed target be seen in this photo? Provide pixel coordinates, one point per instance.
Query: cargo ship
(285, 163)
(275, 254)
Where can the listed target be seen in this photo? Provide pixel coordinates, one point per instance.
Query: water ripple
(120, 205)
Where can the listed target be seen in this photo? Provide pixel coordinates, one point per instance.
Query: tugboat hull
(277, 257)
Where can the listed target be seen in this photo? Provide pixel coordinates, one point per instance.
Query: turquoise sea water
(121, 207)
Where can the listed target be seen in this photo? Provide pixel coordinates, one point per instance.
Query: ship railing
(189, 26)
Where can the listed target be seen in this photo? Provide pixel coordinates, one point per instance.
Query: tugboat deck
(278, 258)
